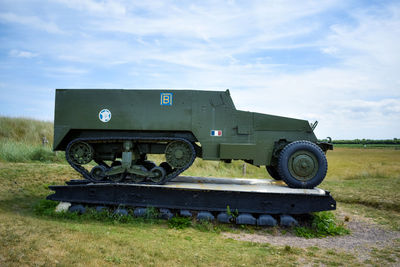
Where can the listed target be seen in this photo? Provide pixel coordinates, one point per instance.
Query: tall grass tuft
(24, 130)
(21, 152)
(323, 224)
(21, 141)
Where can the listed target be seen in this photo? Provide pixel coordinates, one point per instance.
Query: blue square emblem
(166, 99)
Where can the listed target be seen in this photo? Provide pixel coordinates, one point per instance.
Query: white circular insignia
(105, 115)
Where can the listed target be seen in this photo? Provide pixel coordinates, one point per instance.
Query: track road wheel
(302, 164)
(119, 176)
(159, 174)
(168, 169)
(147, 164)
(137, 178)
(98, 173)
(273, 172)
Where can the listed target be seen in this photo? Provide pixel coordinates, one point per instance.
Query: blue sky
(337, 62)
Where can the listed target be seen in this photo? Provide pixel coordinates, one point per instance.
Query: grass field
(368, 146)
(365, 182)
(21, 141)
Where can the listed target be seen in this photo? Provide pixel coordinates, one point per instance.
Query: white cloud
(256, 21)
(30, 21)
(22, 54)
(349, 80)
(67, 70)
(106, 7)
(330, 50)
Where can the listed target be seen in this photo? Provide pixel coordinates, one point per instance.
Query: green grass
(179, 222)
(365, 182)
(368, 146)
(27, 238)
(323, 224)
(21, 141)
(11, 151)
(27, 131)
(386, 255)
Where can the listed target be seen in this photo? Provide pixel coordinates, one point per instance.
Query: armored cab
(118, 128)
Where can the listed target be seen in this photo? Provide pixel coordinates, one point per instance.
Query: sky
(337, 62)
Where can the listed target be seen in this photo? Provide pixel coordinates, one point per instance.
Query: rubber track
(166, 179)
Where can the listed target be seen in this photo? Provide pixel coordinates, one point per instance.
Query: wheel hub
(303, 165)
(178, 154)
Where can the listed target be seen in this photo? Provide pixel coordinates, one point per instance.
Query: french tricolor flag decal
(216, 133)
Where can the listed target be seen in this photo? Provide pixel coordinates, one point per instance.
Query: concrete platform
(239, 185)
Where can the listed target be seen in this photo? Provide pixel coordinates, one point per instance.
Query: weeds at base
(11, 151)
(47, 208)
(323, 224)
(178, 222)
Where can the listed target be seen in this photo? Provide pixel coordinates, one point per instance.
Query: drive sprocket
(80, 153)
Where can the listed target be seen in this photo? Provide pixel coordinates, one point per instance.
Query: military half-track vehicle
(117, 129)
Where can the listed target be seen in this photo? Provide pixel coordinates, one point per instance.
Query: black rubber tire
(308, 147)
(168, 169)
(273, 172)
(148, 164)
(161, 172)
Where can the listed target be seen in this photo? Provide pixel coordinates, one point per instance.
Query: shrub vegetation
(21, 140)
(323, 224)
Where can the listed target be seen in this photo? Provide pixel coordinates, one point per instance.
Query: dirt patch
(363, 238)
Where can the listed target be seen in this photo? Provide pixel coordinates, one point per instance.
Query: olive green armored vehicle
(117, 129)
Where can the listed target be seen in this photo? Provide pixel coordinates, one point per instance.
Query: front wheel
(273, 172)
(302, 164)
